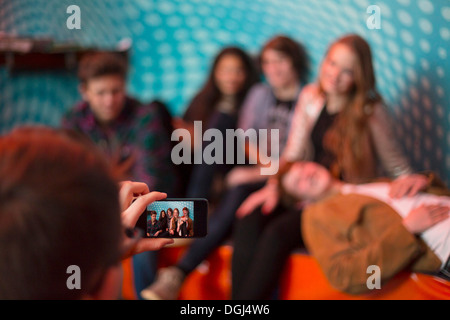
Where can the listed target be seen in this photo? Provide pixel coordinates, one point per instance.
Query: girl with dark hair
(169, 215)
(217, 105)
(163, 224)
(231, 76)
(270, 105)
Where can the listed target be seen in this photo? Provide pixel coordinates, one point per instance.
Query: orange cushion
(302, 279)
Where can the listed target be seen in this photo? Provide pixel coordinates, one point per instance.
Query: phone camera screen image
(181, 218)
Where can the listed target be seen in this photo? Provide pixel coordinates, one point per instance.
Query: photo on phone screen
(175, 218)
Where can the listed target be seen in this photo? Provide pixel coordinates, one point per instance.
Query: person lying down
(348, 228)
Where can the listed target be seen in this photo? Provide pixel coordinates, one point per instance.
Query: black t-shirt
(324, 122)
(279, 117)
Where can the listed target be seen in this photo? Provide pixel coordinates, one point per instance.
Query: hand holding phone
(134, 198)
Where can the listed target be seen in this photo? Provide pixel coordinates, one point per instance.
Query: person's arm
(391, 156)
(298, 147)
(248, 119)
(309, 105)
(191, 228)
(424, 217)
(134, 198)
(154, 164)
(268, 196)
(158, 229)
(386, 145)
(172, 226)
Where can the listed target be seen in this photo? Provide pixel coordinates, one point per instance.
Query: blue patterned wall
(174, 41)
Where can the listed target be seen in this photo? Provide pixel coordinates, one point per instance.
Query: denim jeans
(262, 245)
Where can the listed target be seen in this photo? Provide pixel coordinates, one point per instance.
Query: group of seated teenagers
(170, 224)
(338, 122)
(344, 190)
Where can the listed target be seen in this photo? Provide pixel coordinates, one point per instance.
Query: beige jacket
(348, 233)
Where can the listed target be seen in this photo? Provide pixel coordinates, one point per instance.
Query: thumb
(270, 204)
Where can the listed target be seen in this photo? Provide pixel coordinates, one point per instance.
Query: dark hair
(57, 198)
(163, 220)
(153, 212)
(294, 50)
(98, 64)
(201, 106)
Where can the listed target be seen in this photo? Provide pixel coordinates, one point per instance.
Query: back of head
(58, 207)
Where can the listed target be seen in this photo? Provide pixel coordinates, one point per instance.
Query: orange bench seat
(302, 279)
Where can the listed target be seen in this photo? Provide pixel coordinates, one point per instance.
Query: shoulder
(378, 113)
(311, 89)
(311, 93)
(341, 211)
(148, 113)
(310, 100)
(80, 115)
(259, 89)
(79, 109)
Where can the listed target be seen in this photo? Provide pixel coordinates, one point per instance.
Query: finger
(415, 188)
(134, 211)
(251, 203)
(129, 190)
(439, 217)
(436, 207)
(440, 211)
(393, 189)
(402, 189)
(134, 187)
(270, 204)
(246, 207)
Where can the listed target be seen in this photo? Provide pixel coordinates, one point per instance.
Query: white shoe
(166, 286)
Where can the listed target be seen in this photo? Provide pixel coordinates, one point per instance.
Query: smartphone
(175, 218)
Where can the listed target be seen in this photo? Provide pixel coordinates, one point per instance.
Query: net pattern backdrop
(173, 42)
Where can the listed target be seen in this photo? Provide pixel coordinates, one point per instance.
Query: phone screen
(175, 218)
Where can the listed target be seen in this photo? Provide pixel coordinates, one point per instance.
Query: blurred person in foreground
(60, 206)
(131, 134)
